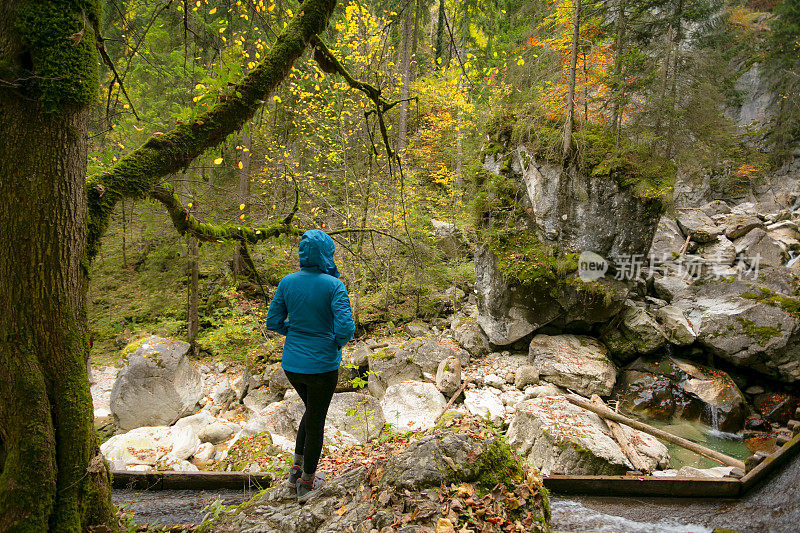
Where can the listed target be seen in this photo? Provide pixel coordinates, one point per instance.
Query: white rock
(412, 405)
(184, 442)
(558, 437)
(144, 445)
(287, 445)
(223, 392)
(205, 452)
(545, 389)
(574, 362)
(493, 380)
(196, 422)
(217, 432)
(101, 413)
(157, 385)
(180, 465)
(483, 403)
(291, 394)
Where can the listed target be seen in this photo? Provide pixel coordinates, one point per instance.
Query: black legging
(316, 391)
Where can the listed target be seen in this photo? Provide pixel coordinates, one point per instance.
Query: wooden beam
(667, 487)
(618, 434)
(771, 463)
(190, 480)
(608, 414)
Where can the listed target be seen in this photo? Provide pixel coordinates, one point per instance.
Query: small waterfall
(714, 417)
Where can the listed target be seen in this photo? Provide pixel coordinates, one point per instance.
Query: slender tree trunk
(673, 93)
(618, 85)
(664, 81)
(405, 74)
(193, 279)
(440, 31)
(124, 238)
(243, 195)
(573, 65)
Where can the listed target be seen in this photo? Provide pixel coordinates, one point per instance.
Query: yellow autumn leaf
(241, 216)
(240, 165)
(212, 11)
(218, 161)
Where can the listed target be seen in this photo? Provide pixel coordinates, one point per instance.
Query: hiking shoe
(306, 489)
(294, 474)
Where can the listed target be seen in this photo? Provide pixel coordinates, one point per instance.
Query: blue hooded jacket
(312, 308)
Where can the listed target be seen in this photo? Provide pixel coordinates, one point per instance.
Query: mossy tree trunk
(52, 476)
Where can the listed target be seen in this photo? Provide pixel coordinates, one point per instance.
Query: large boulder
(677, 329)
(559, 437)
(574, 362)
(669, 388)
(421, 356)
(405, 489)
(357, 414)
(636, 332)
(761, 250)
(157, 385)
(508, 312)
(450, 239)
(280, 418)
(698, 226)
(751, 323)
(668, 240)
(569, 211)
(471, 337)
(412, 405)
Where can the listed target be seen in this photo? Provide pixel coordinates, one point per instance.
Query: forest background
(652, 81)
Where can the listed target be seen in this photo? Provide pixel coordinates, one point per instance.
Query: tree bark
(405, 74)
(573, 66)
(243, 195)
(618, 85)
(53, 477)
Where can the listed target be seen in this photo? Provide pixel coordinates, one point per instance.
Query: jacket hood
(316, 251)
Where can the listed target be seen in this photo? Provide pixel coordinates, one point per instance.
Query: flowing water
(172, 507)
(773, 507)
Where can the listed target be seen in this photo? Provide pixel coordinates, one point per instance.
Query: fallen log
(607, 414)
(618, 434)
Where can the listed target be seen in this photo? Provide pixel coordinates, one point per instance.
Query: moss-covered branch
(185, 222)
(138, 172)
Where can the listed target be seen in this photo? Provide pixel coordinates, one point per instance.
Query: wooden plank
(667, 487)
(771, 463)
(608, 414)
(189, 480)
(123, 479)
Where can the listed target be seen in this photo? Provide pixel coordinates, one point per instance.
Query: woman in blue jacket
(312, 309)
